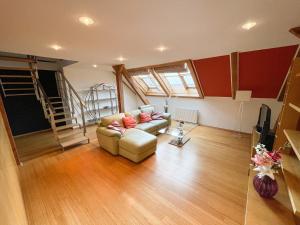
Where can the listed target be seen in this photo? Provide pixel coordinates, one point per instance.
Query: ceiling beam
(160, 82)
(295, 31)
(156, 66)
(133, 84)
(126, 84)
(120, 92)
(16, 59)
(234, 73)
(195, 78)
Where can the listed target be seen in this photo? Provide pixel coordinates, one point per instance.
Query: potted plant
(266, 163)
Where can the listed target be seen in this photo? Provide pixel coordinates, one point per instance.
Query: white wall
(12, 209)
(221, 112)
(83, 77)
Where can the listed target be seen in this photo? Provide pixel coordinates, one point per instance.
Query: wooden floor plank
(205, 182)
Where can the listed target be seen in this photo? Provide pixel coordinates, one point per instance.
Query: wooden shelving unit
(295, 107)
(284, 208)
(291, 171)
(293, 137)
(288, 132)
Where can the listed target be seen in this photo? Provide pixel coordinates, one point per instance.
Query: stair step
(10, 95)
(68, 134)
(67, 126)
(61, 113)
(14, 76)
(65, 119)
(60, 107)
(56, 102)
(19, 89)
(54, 97)
(74, 141)
(15, 68)
(17, 83)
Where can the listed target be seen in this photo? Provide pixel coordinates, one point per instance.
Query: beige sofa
(136, 143)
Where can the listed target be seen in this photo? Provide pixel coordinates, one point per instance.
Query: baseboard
(234, 131)
(35, 132)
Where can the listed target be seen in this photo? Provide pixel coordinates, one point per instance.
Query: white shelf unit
(100, 101)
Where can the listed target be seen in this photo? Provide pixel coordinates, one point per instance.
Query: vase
(265, 186)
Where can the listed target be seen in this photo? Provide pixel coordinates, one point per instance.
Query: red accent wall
(264, 71)
(214, 75)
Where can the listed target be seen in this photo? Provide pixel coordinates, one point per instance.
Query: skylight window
(174, 79)
(189, 80)
(148, 81)
(171, 79)
(148, 84)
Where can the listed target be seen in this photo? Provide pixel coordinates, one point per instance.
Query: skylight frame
(184, 89)
(149, 90)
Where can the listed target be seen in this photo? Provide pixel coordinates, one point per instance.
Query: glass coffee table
(180, 139)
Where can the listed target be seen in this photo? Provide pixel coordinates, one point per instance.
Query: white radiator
(186, 115)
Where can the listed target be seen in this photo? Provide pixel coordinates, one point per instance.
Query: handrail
(72, 88)
(70, 99)
(40, 86)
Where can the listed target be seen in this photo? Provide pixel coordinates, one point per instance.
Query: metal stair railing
(49, 110)
(72, 100)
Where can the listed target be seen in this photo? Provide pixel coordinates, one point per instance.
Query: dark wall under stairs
(25, 113)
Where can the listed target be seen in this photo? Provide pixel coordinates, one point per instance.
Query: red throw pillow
(145, 117)
(129, 122)
(157, 116)
(117, 127)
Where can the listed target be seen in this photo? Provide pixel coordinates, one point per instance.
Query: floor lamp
(242, 97)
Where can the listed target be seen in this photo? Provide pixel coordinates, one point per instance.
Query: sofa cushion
(115, 125)
(157, 116)
(148, 127)
(135, 114)
(147, 108)
(107, 120)
(129, 121)
(159, 124)
(145, 117)
(137, 141)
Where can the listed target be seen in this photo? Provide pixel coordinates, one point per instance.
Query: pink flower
(262, 160)
(275, 155)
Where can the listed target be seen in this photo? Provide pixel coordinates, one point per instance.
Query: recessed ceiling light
(248, 25)
(161, 48)
(95, 65)
(56, 47)
(121, 59)
(86, 20)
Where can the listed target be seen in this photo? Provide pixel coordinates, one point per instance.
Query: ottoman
(137, 145)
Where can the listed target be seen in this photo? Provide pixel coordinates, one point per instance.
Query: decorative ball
(265, 186)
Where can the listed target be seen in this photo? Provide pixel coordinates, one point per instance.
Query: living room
(160, 112)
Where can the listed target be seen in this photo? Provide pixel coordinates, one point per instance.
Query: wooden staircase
(60, 111)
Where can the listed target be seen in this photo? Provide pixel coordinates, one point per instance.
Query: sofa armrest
(107, 132)
(167, 116)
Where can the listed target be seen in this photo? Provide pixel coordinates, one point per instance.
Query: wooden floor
(205, 182)
(41, 143)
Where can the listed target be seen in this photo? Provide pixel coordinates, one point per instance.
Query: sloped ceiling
(214, 75)
(134, 28)
(262, 71)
